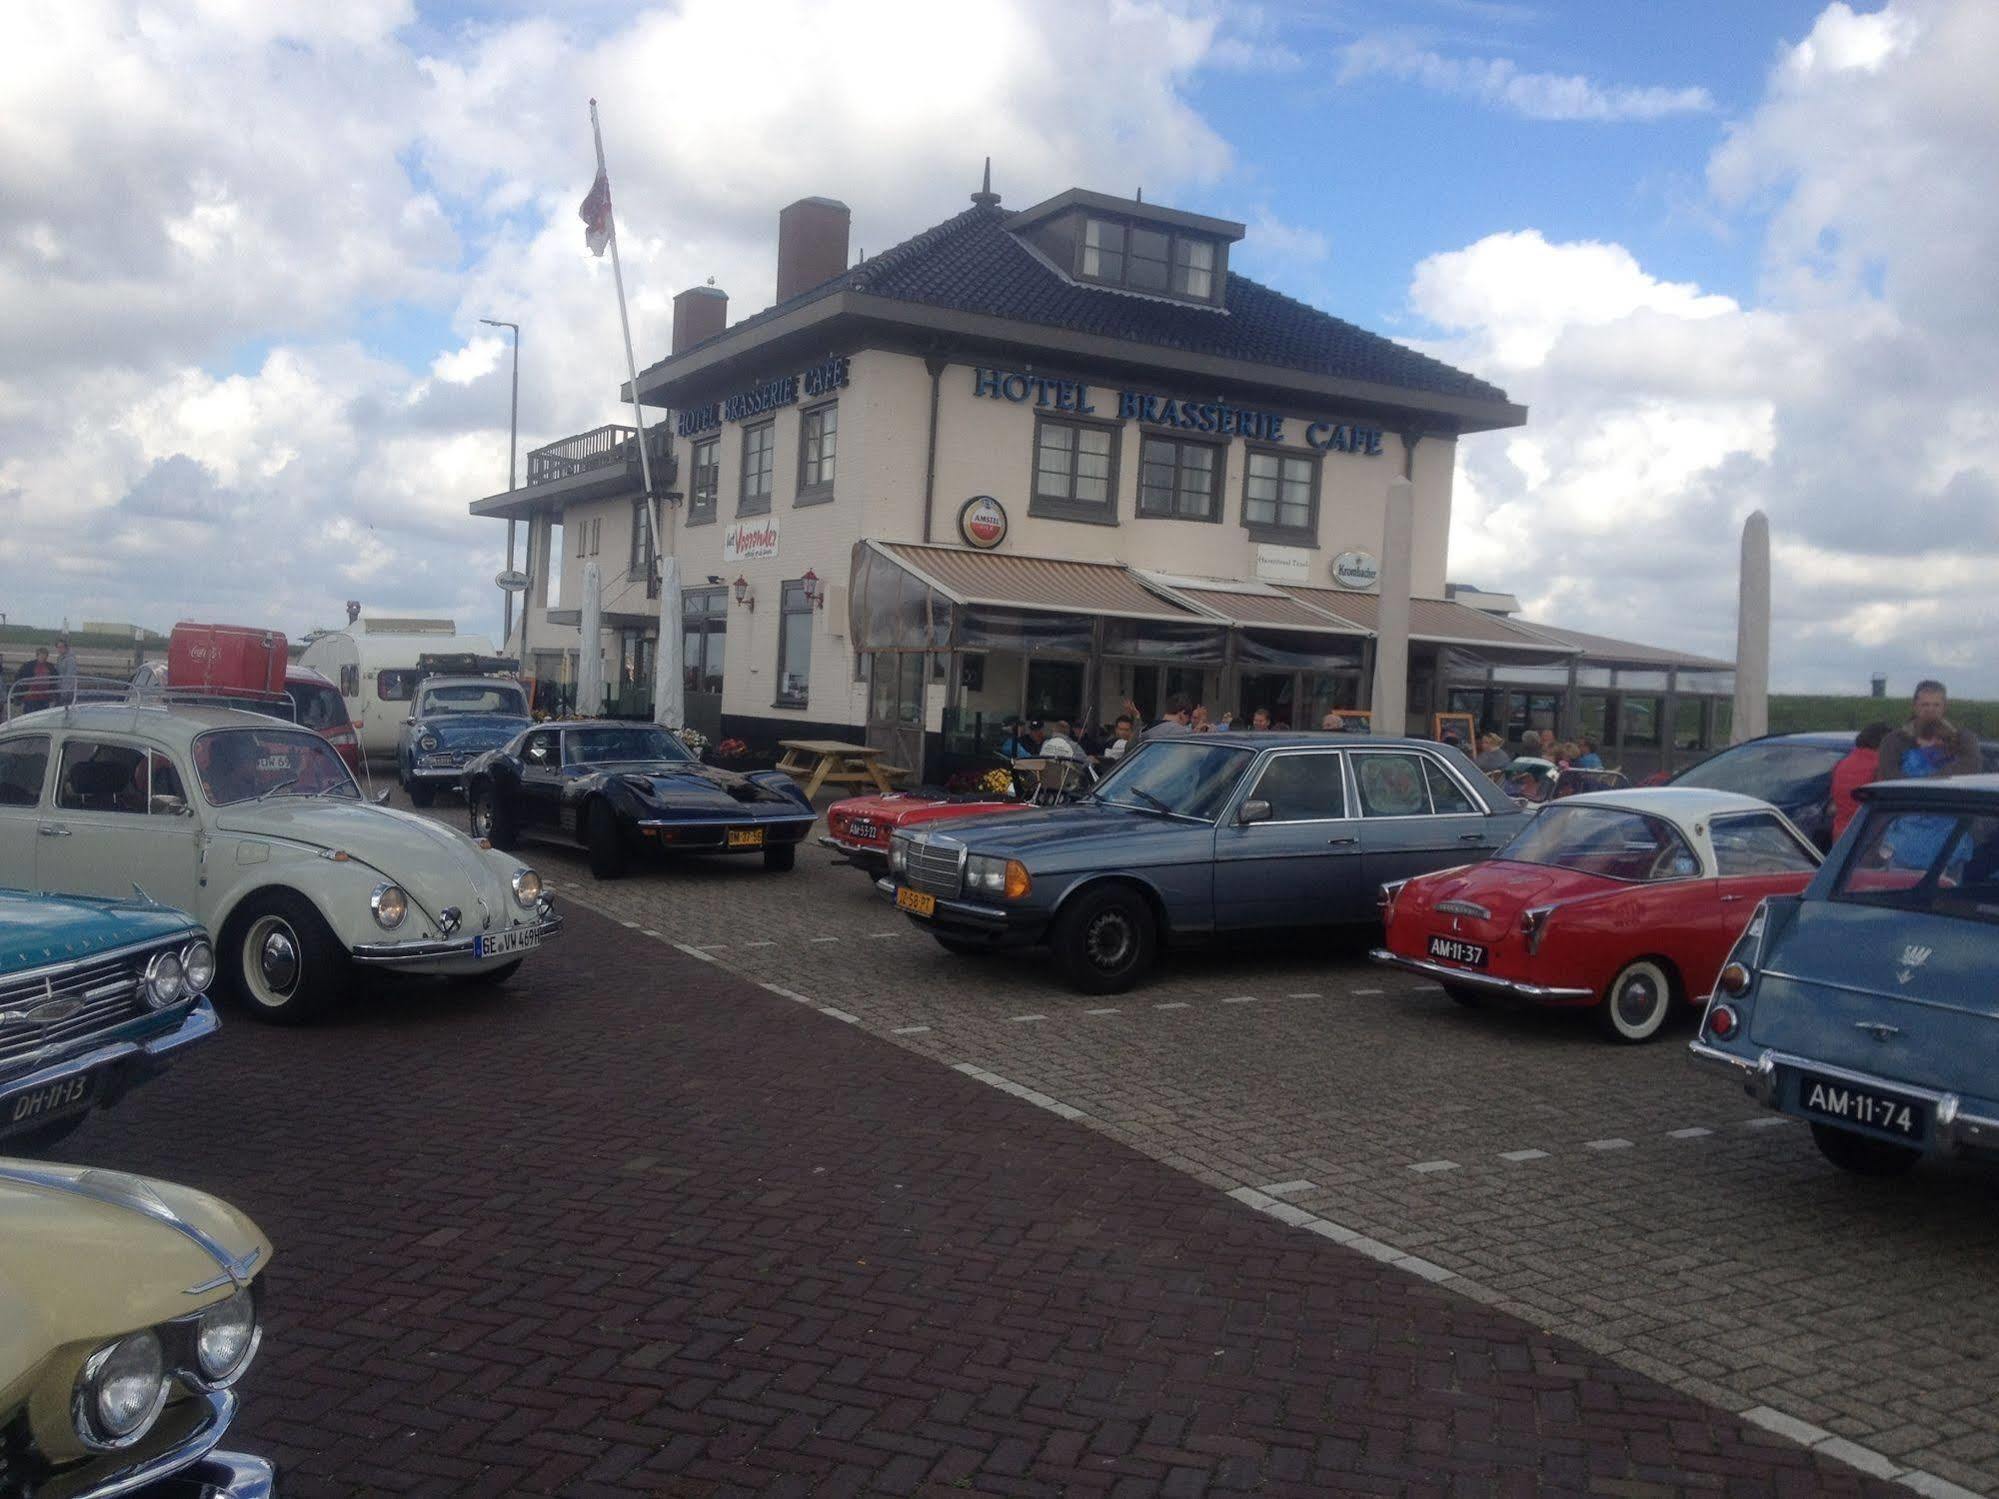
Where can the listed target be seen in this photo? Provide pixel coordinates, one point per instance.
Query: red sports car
(1625, 901)
(858, 829)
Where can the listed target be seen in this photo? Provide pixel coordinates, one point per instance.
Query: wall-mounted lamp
(745, 595)
(815, 591)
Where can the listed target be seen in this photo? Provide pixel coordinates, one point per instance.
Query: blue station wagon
(96, 996)
(1195, 836)
(1866, 1006)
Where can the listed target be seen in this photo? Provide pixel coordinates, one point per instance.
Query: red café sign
(982, 522)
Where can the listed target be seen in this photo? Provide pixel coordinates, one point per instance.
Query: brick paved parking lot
(646, 1223)
(1611, 1194)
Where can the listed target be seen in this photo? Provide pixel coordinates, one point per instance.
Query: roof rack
(35, 694)
(466, 664)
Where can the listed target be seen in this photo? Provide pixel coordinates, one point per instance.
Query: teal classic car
(1865, 1006)
(96, 996)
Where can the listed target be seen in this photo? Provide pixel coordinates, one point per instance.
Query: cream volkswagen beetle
(257, 828)
(133, 1308)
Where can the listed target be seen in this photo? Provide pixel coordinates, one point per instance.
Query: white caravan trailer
(374, 663)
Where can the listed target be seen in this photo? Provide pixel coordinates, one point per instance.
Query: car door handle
(52, 830)
(1471, 837)
(1343, 838)
(1729, 899)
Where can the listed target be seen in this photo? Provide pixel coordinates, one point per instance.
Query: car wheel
(606, 844)
(44, 1136)
(488, 817)
(1465, 995)
(1636, 1004)
(960, 946)
(490, 978)
(781, 856)
(421, 795)
(1860, 1154)
(1104, 940)
(280, 960)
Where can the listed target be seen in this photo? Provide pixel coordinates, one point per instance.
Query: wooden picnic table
(828, 762)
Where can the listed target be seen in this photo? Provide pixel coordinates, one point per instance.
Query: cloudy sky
(1733, 256)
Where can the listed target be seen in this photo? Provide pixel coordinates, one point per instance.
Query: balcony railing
(602, 447)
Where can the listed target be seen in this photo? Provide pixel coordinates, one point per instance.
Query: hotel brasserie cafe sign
(1183, 413)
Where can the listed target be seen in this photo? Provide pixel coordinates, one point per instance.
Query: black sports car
(619, 789)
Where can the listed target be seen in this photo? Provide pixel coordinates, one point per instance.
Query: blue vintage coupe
(1195, 836)
(96, 996)
(1866, 1006)
(454, 721)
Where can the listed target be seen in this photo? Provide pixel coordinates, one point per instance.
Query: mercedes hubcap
(1109, 940)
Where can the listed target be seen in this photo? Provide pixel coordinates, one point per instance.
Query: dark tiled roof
(1610, 648)
(972, 264)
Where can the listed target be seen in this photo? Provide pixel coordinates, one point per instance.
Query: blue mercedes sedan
(1865, 1006)
(1198, 836)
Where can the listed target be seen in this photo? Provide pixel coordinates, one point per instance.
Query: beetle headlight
(119, 1391)
(197, 966)
(390, 906)
(225, 1339)
(527, 887)
(164, 979)
(426, 742)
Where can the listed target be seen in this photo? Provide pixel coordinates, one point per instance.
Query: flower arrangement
(996, 781)
(694, 739)
(732, 749)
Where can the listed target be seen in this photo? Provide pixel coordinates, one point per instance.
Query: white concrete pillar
(590, 649)
(1391, 643)
(1752, 632)
(669, 685)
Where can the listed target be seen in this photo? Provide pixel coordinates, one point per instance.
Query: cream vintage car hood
(88, 1255)
(424, 857)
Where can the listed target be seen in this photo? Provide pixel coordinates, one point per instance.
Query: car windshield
(1785, 775)
(241, 765)
(1944, 863)
(316, 705)
(473, 697)
(1609, 841)
(1186, 778)
(639, 742)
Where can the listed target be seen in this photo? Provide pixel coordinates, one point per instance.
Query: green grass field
(1790, 714)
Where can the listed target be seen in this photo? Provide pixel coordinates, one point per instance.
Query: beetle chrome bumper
(1485, 983)
(191, 1468)
(1952, 1129)
(390, 954)
(435, 772)
(864, 854)
(131, 1060)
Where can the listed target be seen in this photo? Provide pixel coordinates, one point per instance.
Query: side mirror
(382, 797)
(1253, 811)
(410, 722)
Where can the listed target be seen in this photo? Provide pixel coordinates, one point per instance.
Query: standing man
(65, 665)
(1929, 744)
(42, 673)
(1176, 722)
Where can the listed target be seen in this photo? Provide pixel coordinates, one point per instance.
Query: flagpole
(668, 701)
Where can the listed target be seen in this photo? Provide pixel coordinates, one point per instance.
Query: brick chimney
(811, 244)
(699, 313)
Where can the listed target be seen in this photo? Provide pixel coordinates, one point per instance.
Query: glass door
(895, 707)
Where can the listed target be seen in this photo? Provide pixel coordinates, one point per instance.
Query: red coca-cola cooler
(226, 658)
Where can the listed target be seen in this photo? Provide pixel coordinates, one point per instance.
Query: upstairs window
(818, 437)
(1075, 472)
(759, 460)
(1280, 495)
(1143, 258)
(707, 466)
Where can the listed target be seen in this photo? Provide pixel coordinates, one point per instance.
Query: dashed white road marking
(1174, 1004)
(692, 952)
(1021, 1019)
(1767, 1121)
(825, 939)
(1367, 991)
(1523, 1155)
(1285, 1189)
(1694, 1132)
(1240, 999)
(630, 926)
(908, 1030)
(651, 933)
(783, 993)
(1306, 994)
(760, 944)
(877, 936)
(1429, 1166)
(839, 1015)
(1106, 1010)
(1614, 1143)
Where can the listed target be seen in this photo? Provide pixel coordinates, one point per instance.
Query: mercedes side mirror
(1253, 811)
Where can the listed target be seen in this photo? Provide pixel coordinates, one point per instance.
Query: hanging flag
(596, 214)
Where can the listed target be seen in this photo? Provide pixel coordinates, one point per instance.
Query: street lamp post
(513, 440)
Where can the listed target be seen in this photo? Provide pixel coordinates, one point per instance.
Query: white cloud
(1851, 401)
(1503, 84)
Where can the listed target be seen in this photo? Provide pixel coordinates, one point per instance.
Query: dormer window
(1164, 263)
